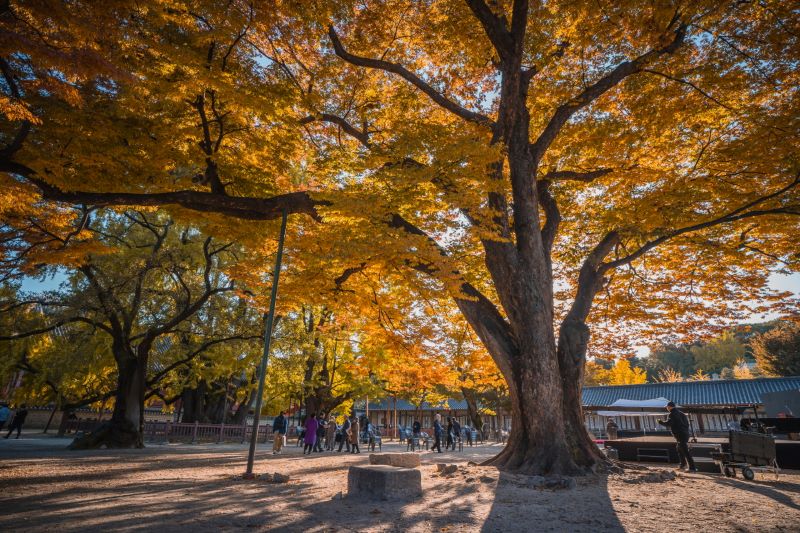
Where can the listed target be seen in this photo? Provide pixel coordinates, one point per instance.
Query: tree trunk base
(536, 466)
(547, 461)
(109, 435)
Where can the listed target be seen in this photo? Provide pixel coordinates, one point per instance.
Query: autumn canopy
(545, 168)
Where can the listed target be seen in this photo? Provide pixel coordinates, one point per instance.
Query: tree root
(109, 435)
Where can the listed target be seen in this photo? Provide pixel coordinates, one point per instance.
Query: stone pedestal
(402, 460)
(384, 482)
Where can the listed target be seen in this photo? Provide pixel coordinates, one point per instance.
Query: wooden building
(713, 405)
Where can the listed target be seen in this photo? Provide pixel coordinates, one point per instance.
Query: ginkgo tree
(527, 158)
(320, 353)
(150, 299)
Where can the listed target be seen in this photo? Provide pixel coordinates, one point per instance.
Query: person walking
(437, 433)
(322, 426)
(345, 435)
(678, 424)
(355, 434)
(311, 433)
(450, 441)
(456, 433)
(370, 434)
(5, 412)
(330, 434)
(19, 419)
(279, 428)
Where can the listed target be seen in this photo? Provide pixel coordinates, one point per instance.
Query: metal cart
(749, 452)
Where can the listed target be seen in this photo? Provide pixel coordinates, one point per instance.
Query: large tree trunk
(205, 403)
(321, 400)
(244, 408)
(313, 404)
(248, 403)
(216, 404)
(573, 340)
(547, 436)
(538, 440)
(192, 399)
(125, 429)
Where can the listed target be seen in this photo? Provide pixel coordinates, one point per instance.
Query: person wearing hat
(678, 424)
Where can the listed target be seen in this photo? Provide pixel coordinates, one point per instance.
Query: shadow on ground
(199, 488)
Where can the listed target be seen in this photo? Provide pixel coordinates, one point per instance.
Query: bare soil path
(197, 488)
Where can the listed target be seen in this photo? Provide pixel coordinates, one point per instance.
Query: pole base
(249, 475)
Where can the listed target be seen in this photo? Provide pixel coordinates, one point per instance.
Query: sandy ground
(199, 488)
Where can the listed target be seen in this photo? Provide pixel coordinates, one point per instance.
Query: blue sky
(786, 283)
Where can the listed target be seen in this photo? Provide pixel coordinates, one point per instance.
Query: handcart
(749, 452)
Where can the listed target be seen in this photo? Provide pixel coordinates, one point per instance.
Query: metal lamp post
(262, 369)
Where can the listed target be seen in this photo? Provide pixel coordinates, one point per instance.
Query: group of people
(16, 421)
(321, 433)
(451, 436)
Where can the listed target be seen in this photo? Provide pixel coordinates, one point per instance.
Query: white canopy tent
(637, 408)
(654, 407)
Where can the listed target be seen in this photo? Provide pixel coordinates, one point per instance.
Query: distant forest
(742, 352)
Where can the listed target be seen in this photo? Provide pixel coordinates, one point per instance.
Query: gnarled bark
(125, 429)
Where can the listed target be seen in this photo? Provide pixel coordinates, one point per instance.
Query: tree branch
(192, 355)
(552, 216)
(496, 28)
(597, 89)
(247, 208)
(479, 311)
(51, 327)
(409, 76)
(590, 279)
(689, 84)
(571, 175)
(359, 135)
(740, 213)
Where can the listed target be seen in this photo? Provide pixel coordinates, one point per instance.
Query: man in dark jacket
(279, 428)
(19, 418)
(678, 424)
(456, 433)
(345, 435)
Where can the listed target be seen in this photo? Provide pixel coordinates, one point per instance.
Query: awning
(654, 407)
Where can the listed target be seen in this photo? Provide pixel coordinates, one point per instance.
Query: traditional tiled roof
(695, 393)
(718, 392)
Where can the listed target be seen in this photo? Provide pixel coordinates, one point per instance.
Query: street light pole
(262, 369)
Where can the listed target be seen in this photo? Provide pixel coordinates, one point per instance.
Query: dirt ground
(182, 487)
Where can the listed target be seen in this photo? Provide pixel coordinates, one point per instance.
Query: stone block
(384, 482)
(444, 468)
(402, 460)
